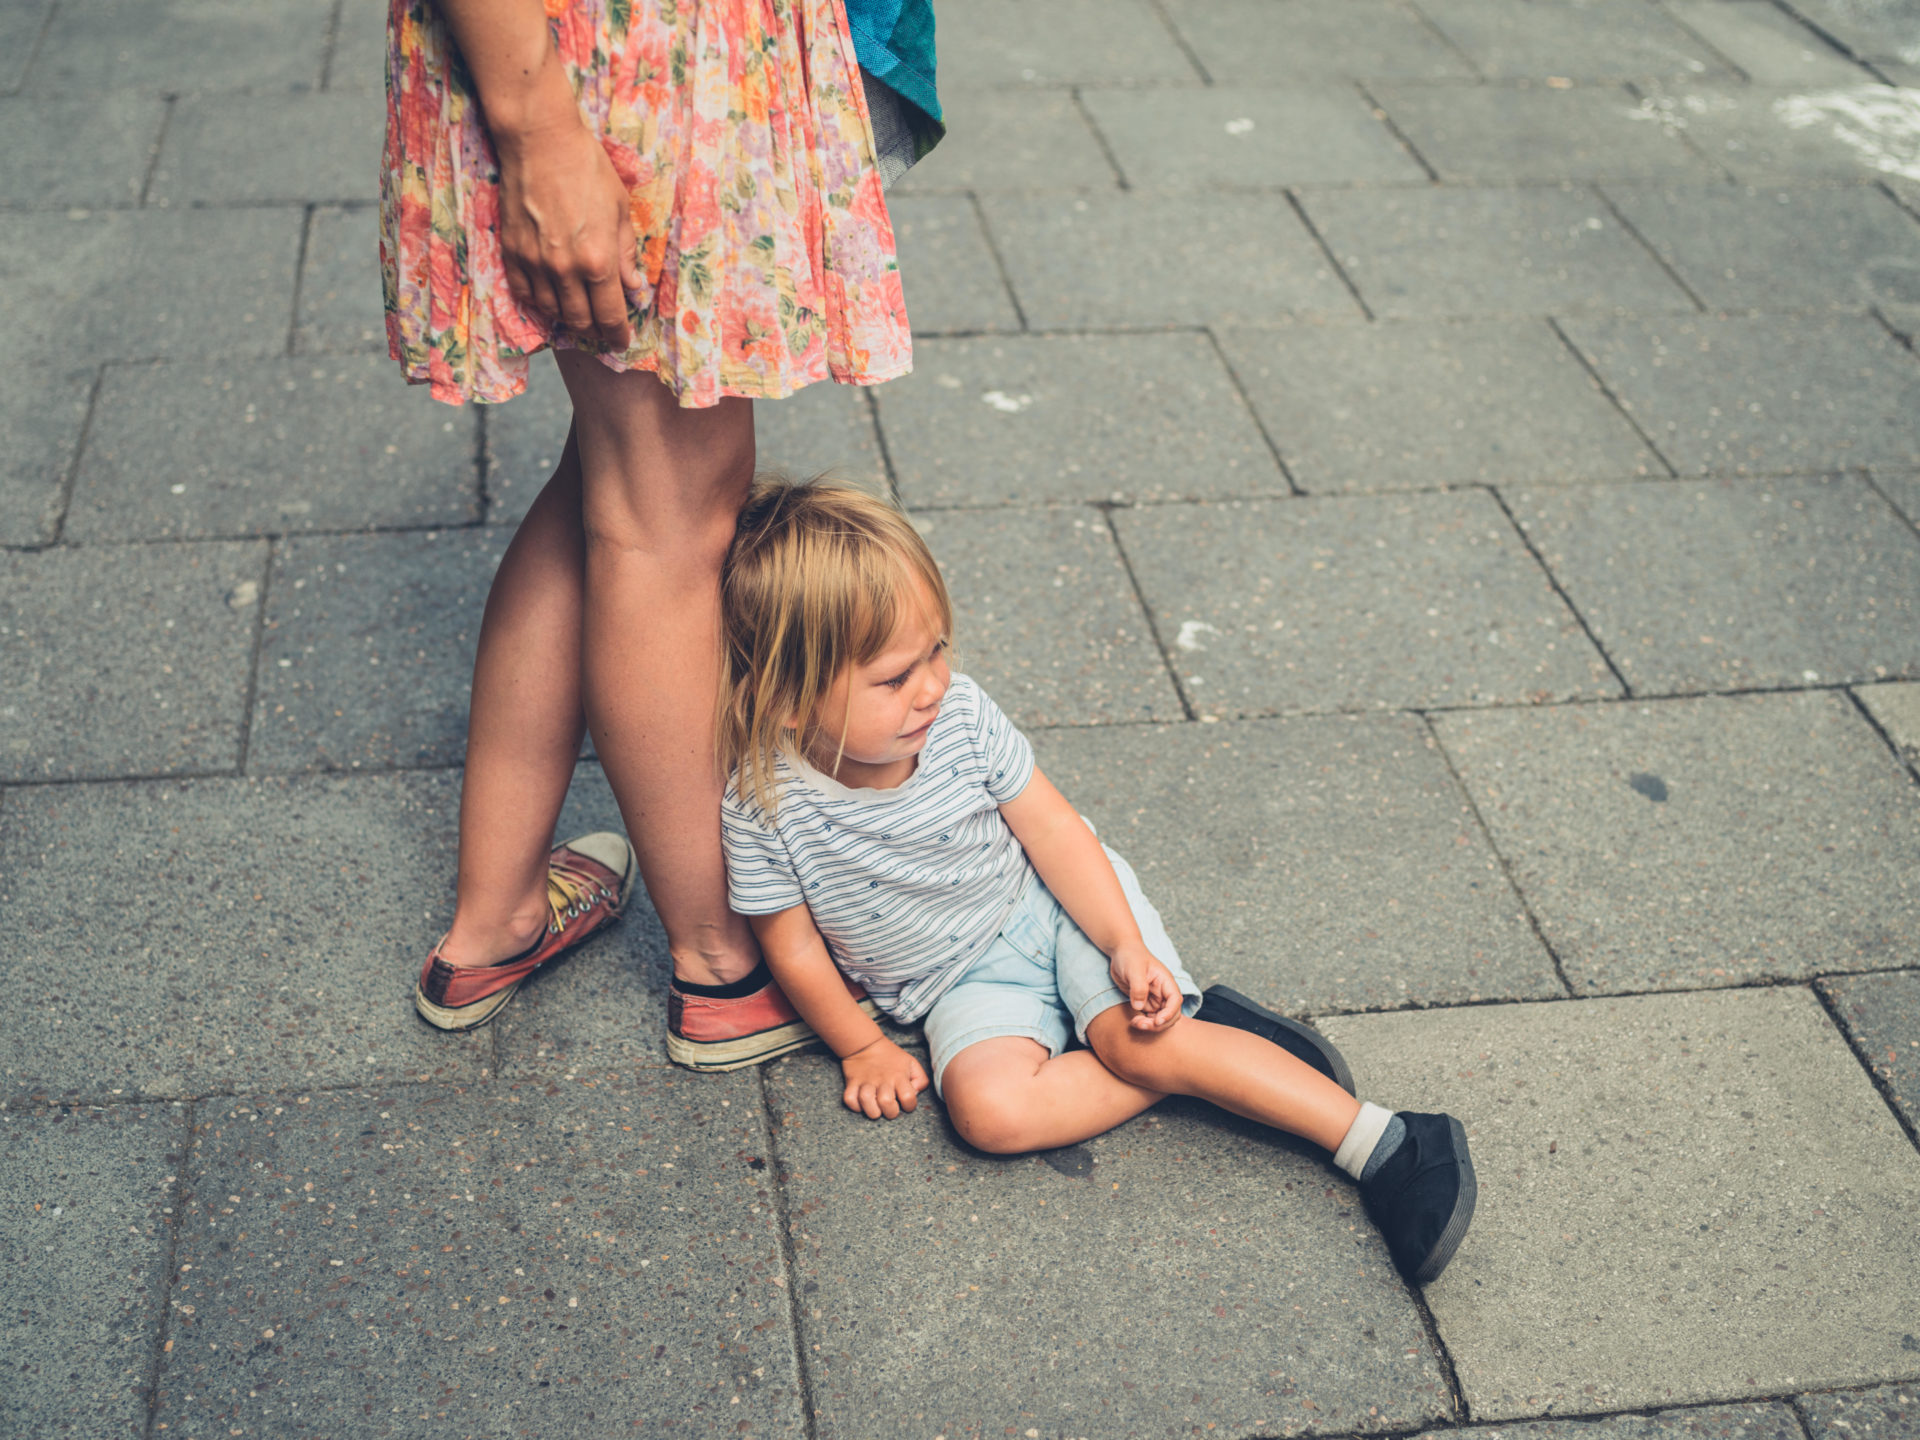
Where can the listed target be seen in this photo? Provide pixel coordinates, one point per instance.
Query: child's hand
(882, 1079)
(1151, 989)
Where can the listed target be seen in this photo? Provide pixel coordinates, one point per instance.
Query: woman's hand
(882, 1079)
(566, 235)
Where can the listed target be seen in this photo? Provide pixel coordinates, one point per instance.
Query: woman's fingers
(608, 302)
(628, 249)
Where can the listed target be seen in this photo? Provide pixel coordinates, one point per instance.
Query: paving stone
(359, 57)
(1194, 1272)
(1882, 1015)
(1704, 842)
(1011, 140)
(1682, 1198)
(65, 152)
(1276, 42)
(134, 285)
(84, 1273)
(1896, 708)
(1413, 405)
(1735, 584)
(42, 407)
(125, 660)
(1588, 40)
(1218, 258)
(106, 47)
(951, 277)
(246, 149)
(20, 26)
(367, 655)
(186, 937)
(199, 448)
(341, 306)
(1003, 42)
(1873, 29)
(1769, 45)
(1476, 253)
(1779, 135)
(1359, 603)
(1016, 419)
(1742, 248)
(1317, 864)
(823, 428)
(1243, 137)
(605, 1006)
(617, 1267)
(1046, 619)
(1498, 135)
(1773, 1421)
(1760, 394)
(1889, 1413)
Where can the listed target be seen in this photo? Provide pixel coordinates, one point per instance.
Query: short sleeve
(1008, 754)
(760, 878)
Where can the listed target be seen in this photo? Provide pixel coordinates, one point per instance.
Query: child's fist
(1152, 992)
(882, 1079)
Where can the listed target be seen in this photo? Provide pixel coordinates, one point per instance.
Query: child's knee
(1137, 1056)
(988, 1120)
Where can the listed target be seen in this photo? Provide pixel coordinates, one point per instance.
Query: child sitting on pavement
(885, 826)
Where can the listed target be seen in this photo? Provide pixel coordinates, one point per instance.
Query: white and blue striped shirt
(907, 886)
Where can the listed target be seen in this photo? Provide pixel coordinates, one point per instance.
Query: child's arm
(1069, 858)
(882, 1079)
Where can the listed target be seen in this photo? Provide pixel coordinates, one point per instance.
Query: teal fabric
(894, 40)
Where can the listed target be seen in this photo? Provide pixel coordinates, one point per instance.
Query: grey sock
(1384, 1147)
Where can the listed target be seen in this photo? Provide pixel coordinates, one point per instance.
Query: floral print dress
(741, 130)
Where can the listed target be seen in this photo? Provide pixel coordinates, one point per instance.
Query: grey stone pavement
(1438, 479)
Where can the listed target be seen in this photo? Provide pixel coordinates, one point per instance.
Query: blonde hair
(817, 578)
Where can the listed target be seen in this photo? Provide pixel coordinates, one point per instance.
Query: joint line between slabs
(63, 502)
(256, 653)
(1432, 27)
(1506, 866)
(1619, 405)
(1146, 613)
(1253, 413)
(1873, 484)
(1912, 208)
(1648, 246)
(1785, 7)
(1900, 337)
(482, 493)
(999, 260)
(1300, 210)
(331, 45)
(1166, 22)
(153, 159)
(1100, 139)
(157, 1364)
(803, 1377)
(887, 468)
(1893, 746)
(1406, 141)
(1519, 530)
(34, 46)
(299, 275)
(1881, 1085)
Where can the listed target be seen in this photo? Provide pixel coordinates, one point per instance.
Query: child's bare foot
(1421, 1194)
(588, 881)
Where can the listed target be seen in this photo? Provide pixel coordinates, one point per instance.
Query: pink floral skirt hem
(741, 130)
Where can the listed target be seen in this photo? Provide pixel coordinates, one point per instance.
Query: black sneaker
(1421, 1198)
(1224, 1006)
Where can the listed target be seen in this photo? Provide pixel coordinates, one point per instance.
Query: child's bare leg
(661, 489)
(1236, 1071)
(1006, 1096)
(523, 734)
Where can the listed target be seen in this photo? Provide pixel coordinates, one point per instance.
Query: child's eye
(897, 681)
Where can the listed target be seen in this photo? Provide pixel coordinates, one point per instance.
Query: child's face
(886, 706)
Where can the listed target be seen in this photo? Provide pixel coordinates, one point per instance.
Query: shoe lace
(571, 893)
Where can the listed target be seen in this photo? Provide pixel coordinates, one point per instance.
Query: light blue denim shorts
(1043, 978)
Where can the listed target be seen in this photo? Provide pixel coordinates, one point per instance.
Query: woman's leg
(661, 488)
(523, 736)
(1006, 1096)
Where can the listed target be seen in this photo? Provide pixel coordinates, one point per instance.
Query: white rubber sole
(714, 1056)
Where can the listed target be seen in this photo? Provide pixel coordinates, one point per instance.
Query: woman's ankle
(694, 968)
(473, 944)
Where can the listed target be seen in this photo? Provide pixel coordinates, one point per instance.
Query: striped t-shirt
(907, 886)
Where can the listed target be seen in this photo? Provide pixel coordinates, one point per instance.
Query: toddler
(885, 826)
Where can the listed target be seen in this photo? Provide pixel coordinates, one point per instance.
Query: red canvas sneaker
(588, 881)
(728, 1027)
